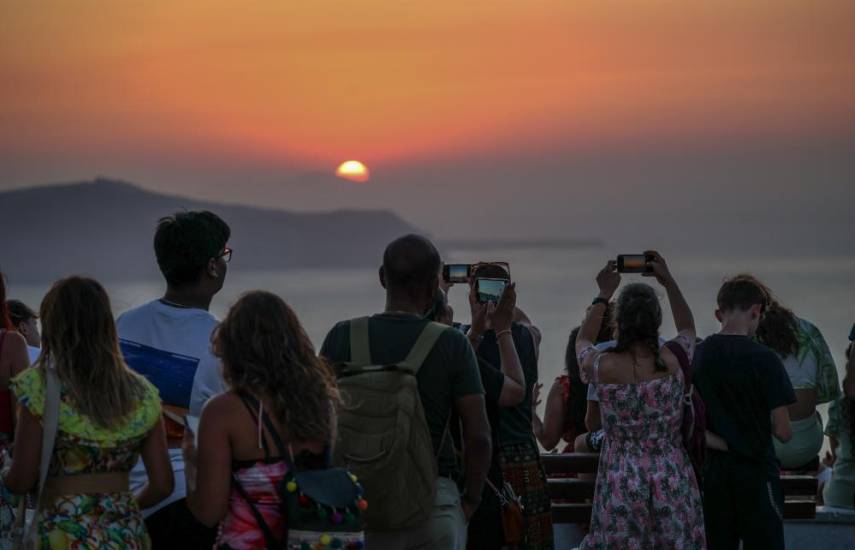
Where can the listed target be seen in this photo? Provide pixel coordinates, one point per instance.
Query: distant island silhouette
(105, 228)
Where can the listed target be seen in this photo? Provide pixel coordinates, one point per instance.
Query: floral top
(83, 447)
(813, 366)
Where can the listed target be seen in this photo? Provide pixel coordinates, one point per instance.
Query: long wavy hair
(577, 397)
(778, 327)
(266, 352)
(5, 320)
(638, 317)
(79, 339)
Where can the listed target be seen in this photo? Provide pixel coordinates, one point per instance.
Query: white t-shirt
(171, 347)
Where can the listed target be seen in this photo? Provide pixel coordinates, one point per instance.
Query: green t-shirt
(449, 372)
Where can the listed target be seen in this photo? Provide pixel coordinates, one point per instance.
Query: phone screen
(457, 273)
(490, 290)
(633, 263)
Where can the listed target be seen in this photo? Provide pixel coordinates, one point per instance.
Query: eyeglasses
(227, 254)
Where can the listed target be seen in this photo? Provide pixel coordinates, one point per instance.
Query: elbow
(481, 445)
(783, 434)
(17, 485)
(512, 395)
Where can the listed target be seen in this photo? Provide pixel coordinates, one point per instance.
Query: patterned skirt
(521, 467)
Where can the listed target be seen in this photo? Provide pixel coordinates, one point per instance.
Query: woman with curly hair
(280, 395)
(811, 370)
(646, 494)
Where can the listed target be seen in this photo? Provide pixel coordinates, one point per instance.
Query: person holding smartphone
(646, 487)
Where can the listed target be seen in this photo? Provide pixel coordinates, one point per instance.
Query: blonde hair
(79, 340)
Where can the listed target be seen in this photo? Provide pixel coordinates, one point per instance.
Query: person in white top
(168, 340)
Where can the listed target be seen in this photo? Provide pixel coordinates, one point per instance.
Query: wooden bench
(575, 495)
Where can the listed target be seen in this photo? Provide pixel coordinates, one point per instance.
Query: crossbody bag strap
(50, 425)
(360, 345)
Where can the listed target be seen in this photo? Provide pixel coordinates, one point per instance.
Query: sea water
(554, 287)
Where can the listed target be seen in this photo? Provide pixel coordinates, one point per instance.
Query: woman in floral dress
(108, 416)
(646, 495)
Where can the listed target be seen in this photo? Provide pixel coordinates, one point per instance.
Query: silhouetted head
(79, 339)
(744, 299)
(191, 249)
(778, 326)
(410, 271)
(25, 321)
(638, 317)
(266, 352)
(5, 320)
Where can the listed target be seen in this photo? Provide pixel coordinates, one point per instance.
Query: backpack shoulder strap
(423, 346)
(360, 345)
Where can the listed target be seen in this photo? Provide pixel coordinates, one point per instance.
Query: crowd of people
(169, 428)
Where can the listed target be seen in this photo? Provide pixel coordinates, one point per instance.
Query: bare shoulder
(222, 408)
(14, 343)
(609, 367)
(670, 360)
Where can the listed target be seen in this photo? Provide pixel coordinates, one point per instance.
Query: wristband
(503, 332)
(600, 300)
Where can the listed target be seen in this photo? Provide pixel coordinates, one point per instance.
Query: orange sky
(388, 81)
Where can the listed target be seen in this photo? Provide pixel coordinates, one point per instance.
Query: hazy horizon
(726, 124)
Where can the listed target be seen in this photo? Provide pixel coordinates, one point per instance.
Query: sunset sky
(200, 97)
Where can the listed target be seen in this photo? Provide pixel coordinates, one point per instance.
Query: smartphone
(634, 263)
(456, 273)
(489, 290)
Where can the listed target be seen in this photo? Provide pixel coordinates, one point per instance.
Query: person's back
(168, 340)
(646, 493)
(747, 393)
(448, 382)
(108, 416)
(13, 359)
(275, 419)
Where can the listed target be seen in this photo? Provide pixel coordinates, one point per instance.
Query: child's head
(742, 298)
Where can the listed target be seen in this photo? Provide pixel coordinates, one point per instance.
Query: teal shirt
(449, 372)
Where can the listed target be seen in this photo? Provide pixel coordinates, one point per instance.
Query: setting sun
(353, 170)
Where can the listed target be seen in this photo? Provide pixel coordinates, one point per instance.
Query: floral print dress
(647, 495)
(90, 520)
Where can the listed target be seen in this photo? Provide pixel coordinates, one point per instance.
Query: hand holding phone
(489, 289)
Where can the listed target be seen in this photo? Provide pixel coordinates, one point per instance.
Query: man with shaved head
(449, 388)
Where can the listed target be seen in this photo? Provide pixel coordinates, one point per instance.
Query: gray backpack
(383, 437)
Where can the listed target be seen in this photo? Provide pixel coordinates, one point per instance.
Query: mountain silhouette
(105, 228)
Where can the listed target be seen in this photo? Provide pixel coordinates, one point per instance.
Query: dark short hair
(741, 292)
(411, 261)
(19, 312)
(185, 242)
(490, 271)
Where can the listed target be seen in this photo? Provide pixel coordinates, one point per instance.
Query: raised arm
(683, 319)
(513, 388)
(608, 280)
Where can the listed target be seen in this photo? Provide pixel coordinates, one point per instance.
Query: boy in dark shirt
(746, 391)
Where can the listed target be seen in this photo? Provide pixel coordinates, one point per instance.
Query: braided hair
(638, 319)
